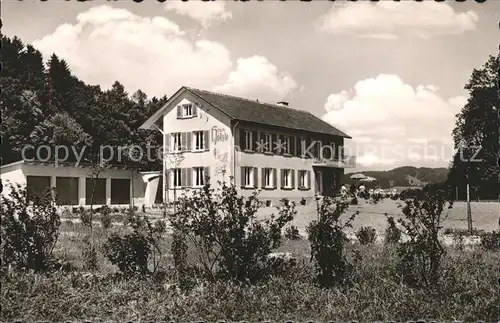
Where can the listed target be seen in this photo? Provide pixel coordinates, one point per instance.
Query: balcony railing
(337, 162)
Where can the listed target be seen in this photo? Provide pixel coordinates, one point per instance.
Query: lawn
(468, 291)
(485, 215)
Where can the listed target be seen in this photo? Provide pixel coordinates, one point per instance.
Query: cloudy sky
(389, 74)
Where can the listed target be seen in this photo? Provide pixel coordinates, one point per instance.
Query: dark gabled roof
(264, 113)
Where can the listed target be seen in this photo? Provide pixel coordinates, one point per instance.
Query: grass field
(485, 215)
(468, 290)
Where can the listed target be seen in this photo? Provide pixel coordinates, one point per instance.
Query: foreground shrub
(328, 243)
(105, 218)
(229, 241)
(490, 240)
(366, 235)
(89, 255)
(29, 230)
(420, 257)
(392, 233)
(292, 233)
(132, 252)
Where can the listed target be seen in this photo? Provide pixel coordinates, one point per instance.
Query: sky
(389, 74)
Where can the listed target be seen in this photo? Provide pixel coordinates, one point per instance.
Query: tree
(476, 131)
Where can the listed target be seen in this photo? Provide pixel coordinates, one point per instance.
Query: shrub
(86, 217)
(303, 201)
(105, 217)
(328, 243)
(392, 233)
(490, 240)
(420, 257)
(229, 241)
(366, 235)
(292, 233)
(354, 201)
(131, 253)
(29, 232)
(89, 255)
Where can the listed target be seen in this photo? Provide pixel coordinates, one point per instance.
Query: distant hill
(405, 176)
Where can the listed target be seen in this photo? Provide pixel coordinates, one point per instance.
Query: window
(67, 190)
(248, 140)
(120, 191)
(301, 146)
(98, 185)
(287, 178)
(249, 177)
(286, 145)
(176, 177)
(199, 176)
(303, 179)
(268, 177)
(268, 143)
(199, 140)
(187, 110)
(176, 141)
(37, 186)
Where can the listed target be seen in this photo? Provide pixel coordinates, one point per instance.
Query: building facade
(283, 152)
(76, 185)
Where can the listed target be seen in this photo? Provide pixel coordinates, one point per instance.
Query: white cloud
(154, 55)
(388, 19)
(394, 121)
(203, 12)
(257, 76)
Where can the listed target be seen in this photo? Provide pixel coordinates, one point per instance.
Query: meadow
(468, 288)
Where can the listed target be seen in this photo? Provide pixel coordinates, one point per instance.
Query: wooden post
(456, 193)
(469, 215)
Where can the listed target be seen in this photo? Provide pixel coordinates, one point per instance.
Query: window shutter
(242, 140)
(189, 137)
(195, 109)
(293, 145)
(275, 177)
(183, 141)
(206, 175)
(308, 179)
(255, 177)
(242, 176)
(206, 140)
(253, 141)
(167, 179)
(179, 112)
(274, 143)
(263, 177)
(189, 177)
(282, 178)
(183, 177)
(293, 178)
(167, 138)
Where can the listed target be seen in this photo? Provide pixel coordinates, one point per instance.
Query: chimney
(283, 103)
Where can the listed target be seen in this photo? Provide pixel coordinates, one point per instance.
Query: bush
(229, 241)
(86, 217)
(366, 235)
(29, 232)
(105, 217)
(328, 243)
(392, 233)
(354, 201)
(420, 258)
(89, 255)
(292, 233)
(131, 253)
(490, 240)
